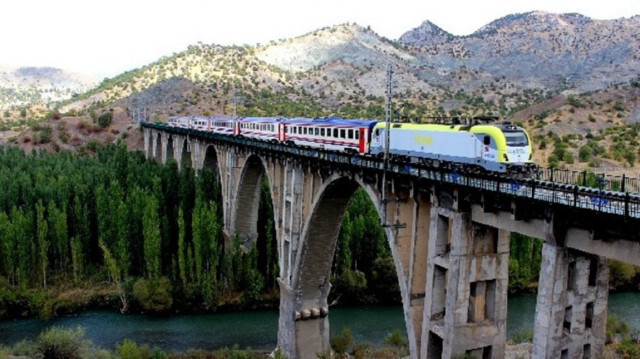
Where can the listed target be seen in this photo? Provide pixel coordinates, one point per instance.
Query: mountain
(426, 33)
(533, 50)
(570, 80)
(26, 86)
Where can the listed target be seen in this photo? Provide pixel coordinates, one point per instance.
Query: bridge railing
(590, 179)
(610, 194)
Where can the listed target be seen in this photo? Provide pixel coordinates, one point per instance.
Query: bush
(153, 294)
(45, 134)
(105, 119)
(341, 342)
(617, 328)
(523, 336)
(629, 349)
(585, 153)
(396, 339)
(57, 343)
(352, 285)
(4, 352)
(130, 350)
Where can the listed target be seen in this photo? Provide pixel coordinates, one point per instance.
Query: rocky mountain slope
(532, 50)
(39, 86)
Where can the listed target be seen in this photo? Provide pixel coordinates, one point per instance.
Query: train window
(516, 139)
(487, 140)
(316, 131)
(350, 134)
(322, 132)
(335, 132)
(357, 135)
(342, 134)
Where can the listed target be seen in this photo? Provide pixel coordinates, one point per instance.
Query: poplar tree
(182, 249)
(7, 248)
(151, 235)
(42, 229)
(59, 236)
(198, 236)
(20, 235)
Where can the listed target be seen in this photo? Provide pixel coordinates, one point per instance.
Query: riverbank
(258, 328)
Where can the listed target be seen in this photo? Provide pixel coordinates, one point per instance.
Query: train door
(362, 135)
(281, 133)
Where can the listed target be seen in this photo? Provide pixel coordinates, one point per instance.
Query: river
(258, 329)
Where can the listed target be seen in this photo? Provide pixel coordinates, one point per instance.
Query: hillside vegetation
(570, 80)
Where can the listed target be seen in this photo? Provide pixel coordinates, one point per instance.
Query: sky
(105, 38)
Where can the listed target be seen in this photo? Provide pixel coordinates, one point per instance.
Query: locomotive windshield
(516, 138)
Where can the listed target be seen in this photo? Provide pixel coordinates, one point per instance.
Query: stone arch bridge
(449, 235)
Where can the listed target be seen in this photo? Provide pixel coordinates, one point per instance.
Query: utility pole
(387, 157)
(234, 99)
(387, 126)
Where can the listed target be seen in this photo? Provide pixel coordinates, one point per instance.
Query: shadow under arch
(244, 220)
(185, 157)
(320, 238)
(158, 150)
(169, 149)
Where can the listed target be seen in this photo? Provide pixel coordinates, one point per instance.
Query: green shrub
(585, 153)
(4, 352)
(130, 350)
(396, 339)
(25, 348)
(56, 342)
(352, 284)
(153, 294)
(523, 336)
(616, 326)
(628, 349)
(341, 342)
(105, 119)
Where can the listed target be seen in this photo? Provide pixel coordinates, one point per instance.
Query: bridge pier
(571, 309)
(467, 280)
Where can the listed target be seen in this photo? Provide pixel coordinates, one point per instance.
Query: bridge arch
(157, 154)
(211, 160)
(170, 155)
(310, 277)
(245, 205)
(185, 157)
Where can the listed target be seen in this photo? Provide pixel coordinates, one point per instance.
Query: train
(474, 145)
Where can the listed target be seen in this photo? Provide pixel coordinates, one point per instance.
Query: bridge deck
(545, 188)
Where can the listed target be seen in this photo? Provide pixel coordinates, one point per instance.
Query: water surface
(258, 329)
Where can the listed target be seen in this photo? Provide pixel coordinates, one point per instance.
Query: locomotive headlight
(506, 158)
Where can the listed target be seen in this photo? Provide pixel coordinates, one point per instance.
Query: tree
(116, 275)
(182, 249)
(43, 243)
(59, 236)
(7, 248)
(151, 235)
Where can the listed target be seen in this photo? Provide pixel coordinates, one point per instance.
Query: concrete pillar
(408, 233)
(466, 296)
(571, 309)
(198, 148)
(165, 151)
(147, 142)
(303, 325)
(290, 227)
